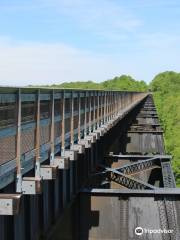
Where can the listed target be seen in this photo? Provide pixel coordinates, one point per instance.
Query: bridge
(84, 164)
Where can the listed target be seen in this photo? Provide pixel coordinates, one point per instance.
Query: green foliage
(166, 87)
(125, 82)
(166, 82)
(80, 85)
(118, 83)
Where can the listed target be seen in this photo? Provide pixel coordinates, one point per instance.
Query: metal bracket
(71, 154)
(62, 162)
(31, 185)
(100, 131)
(92, 138)
(78, 147)
(9, 204)
(106, 127)
(85, 142)
(103, 128)
(48, 172)
(111, 123)
(96, 134)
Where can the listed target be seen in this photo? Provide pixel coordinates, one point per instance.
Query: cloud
(117, 40)
(38, 63)
(24, 63)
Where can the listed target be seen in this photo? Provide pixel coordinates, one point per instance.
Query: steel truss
(121, 176)
(140, 166)
(125, 180)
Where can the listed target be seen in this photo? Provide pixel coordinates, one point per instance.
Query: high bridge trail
(79, 164)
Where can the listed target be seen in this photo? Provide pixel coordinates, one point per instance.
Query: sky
(54, 41)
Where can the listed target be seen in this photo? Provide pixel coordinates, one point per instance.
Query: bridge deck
(140, 154)
(95, 193)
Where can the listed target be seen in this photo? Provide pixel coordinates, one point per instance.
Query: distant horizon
(85, 81)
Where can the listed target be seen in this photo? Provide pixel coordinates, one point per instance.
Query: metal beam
(135, 157)
(127, 181)
(132, 192)
(142, 165)
(145, 131)
(146, 125)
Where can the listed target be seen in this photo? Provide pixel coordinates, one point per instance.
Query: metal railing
(36, 123)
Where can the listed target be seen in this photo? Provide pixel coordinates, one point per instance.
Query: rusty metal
(90, 109)
(131, 192)
(105, 103)
(125, 180)
(139, 166)
(72, 120)
(85, 116)
(145, 131)
(18, 145)
(101, 101)
(63, 124)
(94, 111)
(52, 130)
(139, 157)
(104, 111)
(79, 117)
(37, 139)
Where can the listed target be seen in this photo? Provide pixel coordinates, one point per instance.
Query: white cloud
(23, 63)
(35, 63)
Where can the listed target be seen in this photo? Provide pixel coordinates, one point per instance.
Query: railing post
(79, 116)
(90, 112)
(52, 129)
(98, 110)
(111, 106)
(114, 105)
(94, 111)
(18, 145)
(63, 124)
(105, 107)
(37, 140)
(85, 115)
(72, 119)
(101, 102)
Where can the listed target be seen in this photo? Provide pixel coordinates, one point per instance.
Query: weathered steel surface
(55, 115)
(112, 217)
(66, 117)
(49, 122)
(154, 209)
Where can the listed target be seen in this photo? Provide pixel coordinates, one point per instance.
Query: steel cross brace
(146, 125)
(138, 157)
(127, 181)
(145, 131)
(139, 166)
(147, 116)
(136, 167)
(168, 176)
